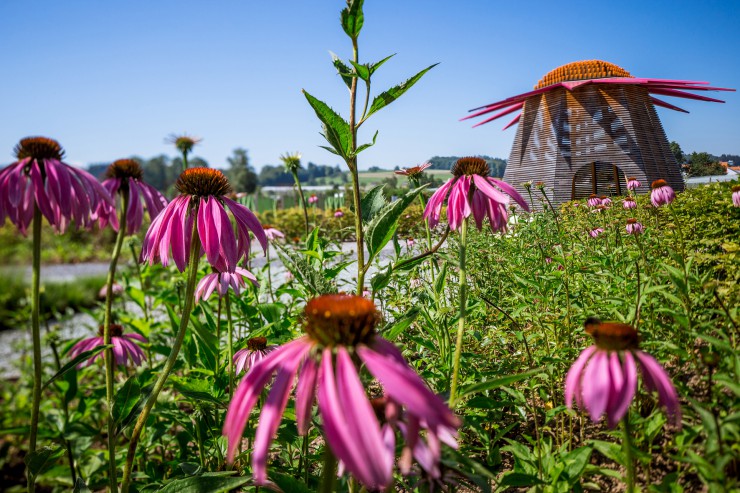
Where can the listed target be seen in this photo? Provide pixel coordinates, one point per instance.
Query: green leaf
(391, 331)
(498, 382)
(372, 203)
(126, 398)
(381, 279)
(365, 146)
(196, 389)
(380, 229)
(313, 280)
(375, 66)
(74, 362)
(352, 18)
(384, 99)
(289, 484)
(42, 459)
(336, 129)
(362, 71)
(520, 479)
(576, 461)
(205, 484)
(343, 70)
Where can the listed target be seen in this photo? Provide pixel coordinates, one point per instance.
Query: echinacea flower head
(629, 203)
(222, 281)
(634, 227)
(595, 232)
(272, 233)
(256, 350)
(184, 143)
(313, 199)
(605, 201)
(340, 338)
(632, 183)
(472, 191)
(338, 213)
(736, 195)
(203, 202)
(527, 185)
(603, 379)
(414, 171)
(125, 176)
(125, 347)
(292, 162)
(662, 193)
(593, 200)
(64, 194)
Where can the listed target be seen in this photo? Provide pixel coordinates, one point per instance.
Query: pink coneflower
(632, 183)
(662, 193)
(736, 195)
(472, 191)
(603, 379)
(414, 171)
(606, 201)
(634, 227)
(125, 347)
(272, 233)
(256, 350)
(410, 243)
(313, 199)
(221, 281)
(116, 290)
(64, 194)
(339, 328)
(629, 203)
(595, 232)
(593, 200)
(338, 213)
(203, 197)
(125, 175)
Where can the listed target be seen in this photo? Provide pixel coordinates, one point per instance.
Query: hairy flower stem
(628, 459)
(108, 354)
(36, 336)
(141, 284)
(230, 335)
(463, 310)
(184, 160)
(171, 360)
(269, 275)
(65, 410)
(329, 476)
(303, 199)
(352, 165)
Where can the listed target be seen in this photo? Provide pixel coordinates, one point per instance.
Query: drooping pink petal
(305, 395)
(433, 209)
(596, 385)
(622, 402)
(573, 378)
(656, 378)
(511, 191)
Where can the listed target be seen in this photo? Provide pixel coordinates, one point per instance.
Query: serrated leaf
(196, 389)
(384, 99)
(372, 202)
(316, 283)
(391, 331)
(42, 459)
(497, 382)
(365, 146)
(383, 225)
(336, 129)
(352, 18)
(375, 66)
(74, 362)
(381, 279)
(205, 484)
(362, 71)
(342, 69)
(126, 398)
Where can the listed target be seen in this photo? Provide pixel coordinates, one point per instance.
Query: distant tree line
(498, 165)
(701, 163)
(310, 174)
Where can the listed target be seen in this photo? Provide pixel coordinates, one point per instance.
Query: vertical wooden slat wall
(589, 140)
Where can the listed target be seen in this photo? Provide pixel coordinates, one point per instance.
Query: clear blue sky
(113, 79)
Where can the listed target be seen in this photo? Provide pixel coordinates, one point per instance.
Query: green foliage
(703, 164)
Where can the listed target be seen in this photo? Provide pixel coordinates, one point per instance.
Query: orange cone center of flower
(268, 226)
(470, 166)
(124, 168)
(659, 183)
(612, 336)
(202, 182)
(184, 143)
(340, 319)
(736, 188)
(257, 344)
(631, 221)
(631, 178)
(116, 330)
(39, 148)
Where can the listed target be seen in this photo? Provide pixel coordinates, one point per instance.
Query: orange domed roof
(586, 69)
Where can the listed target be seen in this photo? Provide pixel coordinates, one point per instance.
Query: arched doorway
(598, 178)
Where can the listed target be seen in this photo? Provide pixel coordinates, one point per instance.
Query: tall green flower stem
(65, 410)
(171, 360)
(269, 275)
(628, 458)
(303, 199)
(352, 164)
(36, 336)
(109, 357)
(135, 257)
(329, 476)
(463, 311)
(230, 335)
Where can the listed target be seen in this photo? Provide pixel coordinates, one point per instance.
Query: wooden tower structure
(589, 125)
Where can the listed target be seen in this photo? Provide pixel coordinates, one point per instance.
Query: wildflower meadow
(470, 336)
